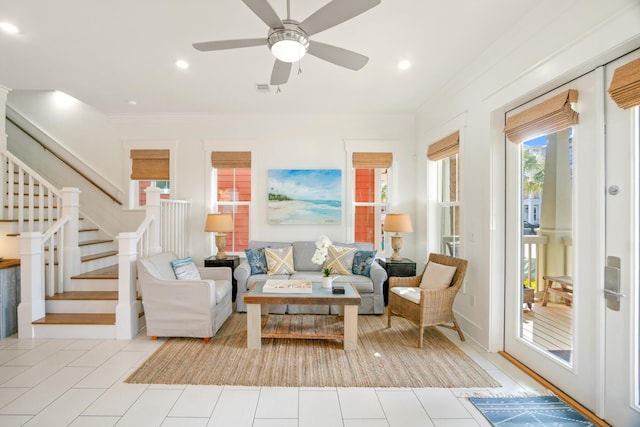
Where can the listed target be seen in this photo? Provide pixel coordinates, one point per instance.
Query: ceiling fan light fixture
(288, 44)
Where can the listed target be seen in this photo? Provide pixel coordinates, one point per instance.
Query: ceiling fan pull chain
(278, 90)
(299, 68)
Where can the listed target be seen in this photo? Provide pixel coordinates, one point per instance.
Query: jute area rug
(384, 358)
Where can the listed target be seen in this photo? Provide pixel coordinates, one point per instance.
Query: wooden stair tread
(95, 242)
(79, 231)
(110, 272)
(85, 295)
(98, 256)
(77, 319)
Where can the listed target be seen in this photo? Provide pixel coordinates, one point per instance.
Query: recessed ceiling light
(9, 28)
(132, 102)
(182, 64)
(404, 65)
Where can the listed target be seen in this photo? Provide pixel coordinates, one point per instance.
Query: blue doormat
(528, 411)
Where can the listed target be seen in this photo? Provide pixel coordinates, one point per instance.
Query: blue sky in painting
(306, 184)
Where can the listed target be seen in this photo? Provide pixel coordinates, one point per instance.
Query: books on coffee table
(287, 286)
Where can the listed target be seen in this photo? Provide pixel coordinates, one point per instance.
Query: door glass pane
(546, 239)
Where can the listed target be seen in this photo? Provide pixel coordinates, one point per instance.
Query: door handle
(612, 283)
(612, 293)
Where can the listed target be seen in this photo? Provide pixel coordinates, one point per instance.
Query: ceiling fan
(289, 41)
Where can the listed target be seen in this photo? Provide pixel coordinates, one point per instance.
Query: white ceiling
(108, 52)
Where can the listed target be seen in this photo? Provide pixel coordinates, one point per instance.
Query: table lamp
(398, 223)
(220, 224)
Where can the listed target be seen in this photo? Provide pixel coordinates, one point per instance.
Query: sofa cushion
(363, 284)
(362, 262)
(185, 269)
(257, 260)
(437, 276)
(302, 254)
(340, 259)
(159, 265)
(279, 260)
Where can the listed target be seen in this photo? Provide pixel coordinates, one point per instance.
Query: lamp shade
(397, 223)
(219, 222)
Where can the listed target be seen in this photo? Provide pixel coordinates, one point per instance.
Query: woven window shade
(372, 160)
(625, 85)
(446, 147)
(231, 159)
(150, 165)
(544, 118)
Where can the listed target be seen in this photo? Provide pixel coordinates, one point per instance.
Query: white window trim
(127, 146)
(429, 239)
(211, 202)
(370, 146)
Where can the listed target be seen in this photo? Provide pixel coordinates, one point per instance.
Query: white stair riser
(94, 284)
(99, 263)
(81, 306)
(96, 248)
(104, 332)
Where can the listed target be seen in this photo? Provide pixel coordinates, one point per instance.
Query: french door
(572, 209)
(621, 400)
(554, 228)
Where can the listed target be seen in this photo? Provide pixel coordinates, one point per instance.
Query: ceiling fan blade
(337, 55)
(229, 44)
(263, 9)
(334, 13)
(280, 73)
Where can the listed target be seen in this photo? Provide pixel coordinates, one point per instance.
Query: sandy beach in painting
(305, 212)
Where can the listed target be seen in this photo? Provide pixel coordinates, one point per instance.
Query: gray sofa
(370, 288)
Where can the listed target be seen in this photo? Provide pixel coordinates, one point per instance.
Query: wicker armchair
(436, 305)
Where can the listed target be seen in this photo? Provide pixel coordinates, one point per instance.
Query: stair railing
(44, 275)
(165, 228)
(20, 192)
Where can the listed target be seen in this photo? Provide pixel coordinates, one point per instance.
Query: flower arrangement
(320, 255)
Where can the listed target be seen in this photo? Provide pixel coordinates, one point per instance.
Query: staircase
(86, 306)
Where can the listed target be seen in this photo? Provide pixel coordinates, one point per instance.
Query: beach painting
(305, 196)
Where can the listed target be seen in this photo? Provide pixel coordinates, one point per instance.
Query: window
(231, 179)
(445, 152)
(371, 176)
(149, 168)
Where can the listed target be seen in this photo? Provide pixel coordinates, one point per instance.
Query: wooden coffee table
(258, 302)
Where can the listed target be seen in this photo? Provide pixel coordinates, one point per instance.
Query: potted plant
(320, 256)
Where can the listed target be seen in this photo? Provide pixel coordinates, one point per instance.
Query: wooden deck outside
(550, 327)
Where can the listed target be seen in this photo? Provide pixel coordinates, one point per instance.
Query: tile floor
(81, 383)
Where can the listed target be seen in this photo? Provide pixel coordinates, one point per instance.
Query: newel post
(71, 207)
(31, 305)
(154, 210)
(127, 308)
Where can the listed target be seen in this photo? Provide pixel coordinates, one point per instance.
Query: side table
(231, 261)
(401, 268)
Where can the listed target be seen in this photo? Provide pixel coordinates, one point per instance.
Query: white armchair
(183, 308)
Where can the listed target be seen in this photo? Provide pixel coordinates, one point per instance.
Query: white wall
(543, 51)
(276, 142)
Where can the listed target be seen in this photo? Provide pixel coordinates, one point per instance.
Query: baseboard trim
(562, 395)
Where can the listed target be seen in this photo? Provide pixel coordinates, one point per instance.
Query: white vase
(326, 282)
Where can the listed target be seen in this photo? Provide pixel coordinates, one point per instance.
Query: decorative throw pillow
(437, 276)
(279, 260)
(257, 261)
(340, 259)
(185, 269)
(362, 262)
